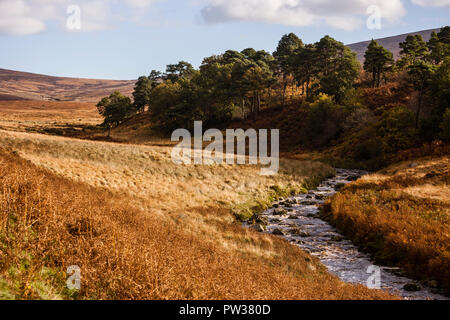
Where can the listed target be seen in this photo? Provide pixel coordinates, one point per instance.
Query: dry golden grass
(402, 216)
(146, 172)
(32, 114)
(141, 227)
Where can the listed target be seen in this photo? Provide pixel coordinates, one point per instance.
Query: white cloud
(432, 3)
(25, 17)
(344, 14)
(139, 3)
(16, 18)
(21, 25)
(95, 15)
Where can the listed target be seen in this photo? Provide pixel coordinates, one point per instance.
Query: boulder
(279, 212)
(264, 220)
(278, 232)
(298, 232)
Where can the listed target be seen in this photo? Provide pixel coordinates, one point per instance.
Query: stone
(264, 220)
(278, 232)
(412, 165)
(279, 212)
(337, 238)
(295, 231)
(292, 217)
(412, 286)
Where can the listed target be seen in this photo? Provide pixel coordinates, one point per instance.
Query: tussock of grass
(402, 216)
(151, 230)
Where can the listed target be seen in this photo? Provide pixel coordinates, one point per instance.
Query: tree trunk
(284, 90)
(307, 88)
(374, 78)
(259, 102)
(419, 107)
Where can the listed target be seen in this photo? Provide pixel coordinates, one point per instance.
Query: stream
(296, 219)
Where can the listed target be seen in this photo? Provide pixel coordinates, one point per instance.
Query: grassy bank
(141, 227)
(402, 216)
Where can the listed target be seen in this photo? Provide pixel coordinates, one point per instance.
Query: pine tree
(141, 93)
(377, 61)
(288, 44)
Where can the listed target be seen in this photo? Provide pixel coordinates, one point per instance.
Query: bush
(324, 121)
(358, 120)
(115, 108)
(370, 149)
(396, 129)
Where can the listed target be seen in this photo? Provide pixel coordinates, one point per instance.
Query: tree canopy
(378, 61)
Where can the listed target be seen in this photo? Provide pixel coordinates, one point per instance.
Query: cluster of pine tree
(241, 84)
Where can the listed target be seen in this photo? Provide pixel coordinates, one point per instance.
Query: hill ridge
(390, 43)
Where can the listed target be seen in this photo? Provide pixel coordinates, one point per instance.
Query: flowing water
(296, 219)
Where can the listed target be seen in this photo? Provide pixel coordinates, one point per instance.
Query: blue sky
(126, 39)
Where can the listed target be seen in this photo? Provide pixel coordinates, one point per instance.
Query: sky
(113, 39)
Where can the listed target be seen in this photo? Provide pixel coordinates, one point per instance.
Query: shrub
(369, 149)
(358, 120)
(324, 121)
(396, 128)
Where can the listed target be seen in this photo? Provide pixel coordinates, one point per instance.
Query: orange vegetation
(48, 223)
(402, 216)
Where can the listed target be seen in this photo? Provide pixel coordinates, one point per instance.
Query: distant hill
(390, 43)
(16, 85)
